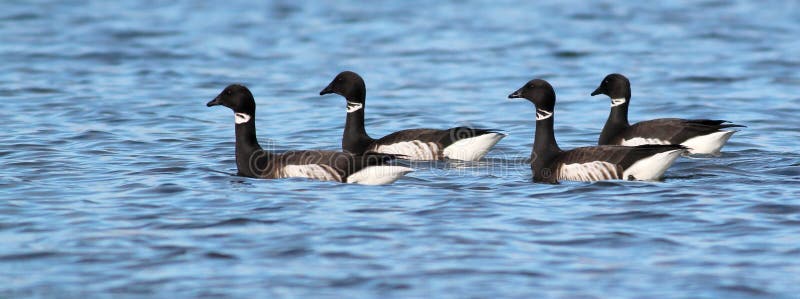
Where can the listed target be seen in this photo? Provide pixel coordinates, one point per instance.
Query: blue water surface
(117, 181)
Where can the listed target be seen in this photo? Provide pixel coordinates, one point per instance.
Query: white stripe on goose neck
(617, 102)
(241, 118)
(543, 114)
(353, 106)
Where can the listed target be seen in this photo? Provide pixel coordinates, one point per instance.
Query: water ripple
(118, 181)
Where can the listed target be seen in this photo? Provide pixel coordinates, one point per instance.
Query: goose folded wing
(324, 165)
(343, 164)
(622, 156)
(675, 130)
(442, 138)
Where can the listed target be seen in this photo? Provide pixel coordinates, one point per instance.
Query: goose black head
(539, 92)
(349, 85)
(615, 86)
(237, 97)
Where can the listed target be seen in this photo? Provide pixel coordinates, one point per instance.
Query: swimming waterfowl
(255, 162)
(461, 143)
(550, 164)
(700, 136)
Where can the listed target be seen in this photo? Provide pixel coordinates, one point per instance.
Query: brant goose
(253, 161)
(461, 143)
(606, 162)
(701, 136)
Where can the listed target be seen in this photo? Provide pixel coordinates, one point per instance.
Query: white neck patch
(353, 106)
(241, 118)
(543, 114)
(617, 102)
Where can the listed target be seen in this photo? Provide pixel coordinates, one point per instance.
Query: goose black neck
(355, 139)
(247, 148)
(544, 142)
(616, 123)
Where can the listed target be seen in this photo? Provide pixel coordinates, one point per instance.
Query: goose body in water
(700, 136)
(460, 143)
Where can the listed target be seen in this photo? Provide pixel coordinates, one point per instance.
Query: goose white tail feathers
(653, 167)
(378, 175)
(473, 148)
(709, 143)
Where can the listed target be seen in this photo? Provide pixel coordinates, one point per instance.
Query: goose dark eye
(228, 92)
